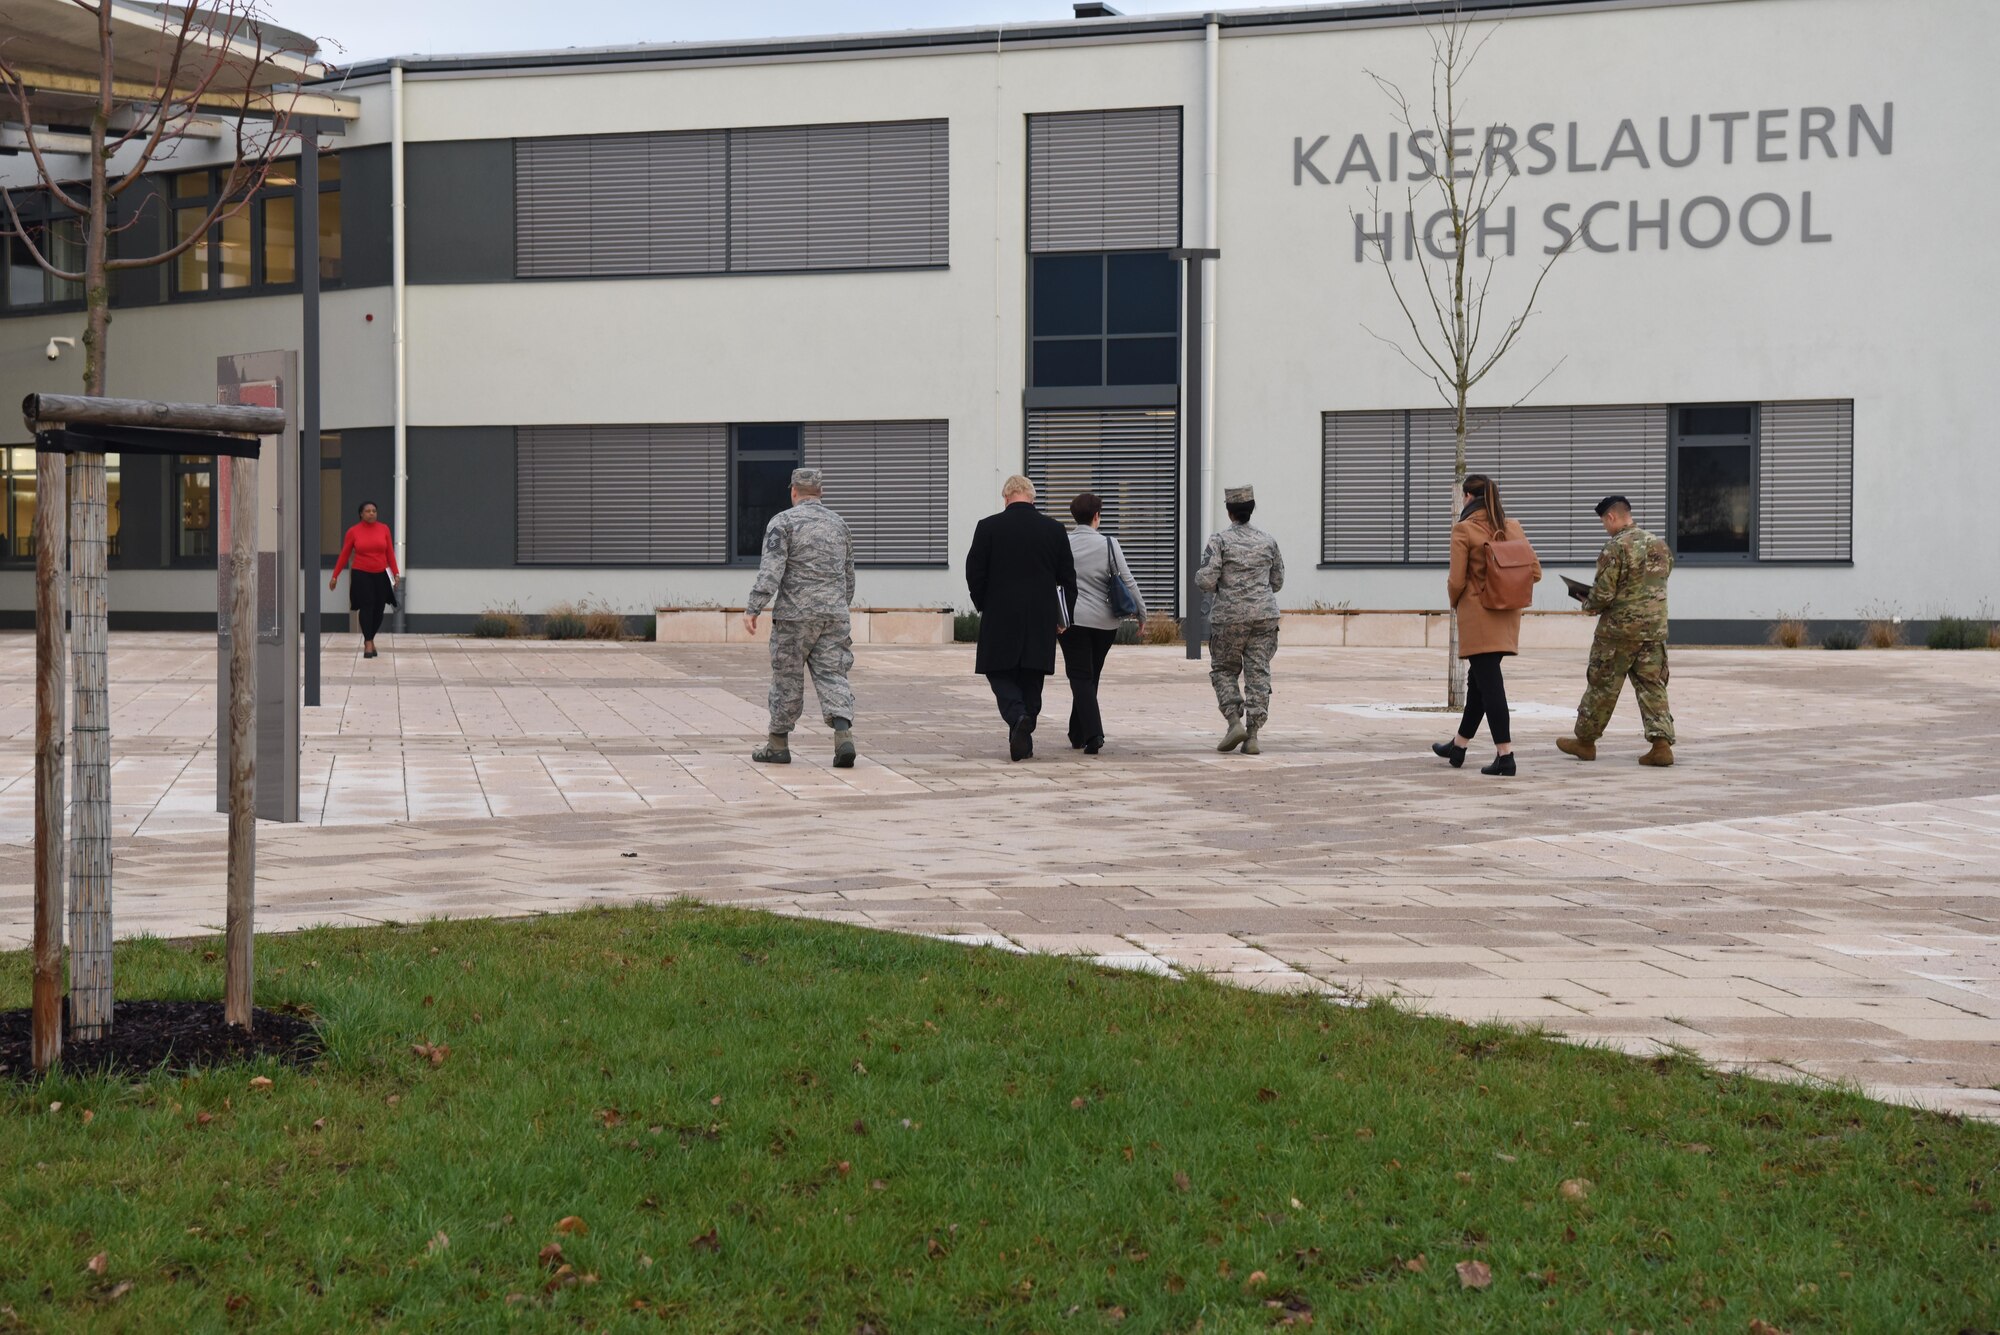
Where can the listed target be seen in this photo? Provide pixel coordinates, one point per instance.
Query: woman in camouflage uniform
(1243, 570)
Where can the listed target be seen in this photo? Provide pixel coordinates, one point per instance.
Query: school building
(583, 310)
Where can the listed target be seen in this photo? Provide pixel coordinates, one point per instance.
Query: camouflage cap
(807, 479)
(1240, 495)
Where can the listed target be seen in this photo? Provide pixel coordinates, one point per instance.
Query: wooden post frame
(240, 915)
(51, 530)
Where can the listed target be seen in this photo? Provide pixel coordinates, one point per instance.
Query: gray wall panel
(461, 202)
(365, 257)
(462, 496)
(368, 472)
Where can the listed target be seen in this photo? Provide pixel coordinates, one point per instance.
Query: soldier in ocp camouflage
(1242, 568)
(1629, 599)
(806, 577)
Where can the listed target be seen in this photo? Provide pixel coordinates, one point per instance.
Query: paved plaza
(1814, 890)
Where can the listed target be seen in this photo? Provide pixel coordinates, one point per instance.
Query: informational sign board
(265, 380)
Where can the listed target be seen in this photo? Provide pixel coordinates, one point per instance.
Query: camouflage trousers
(825, 647)
(1611, 662)
(1242, 649)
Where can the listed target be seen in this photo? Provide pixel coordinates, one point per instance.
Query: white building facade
(639, 286)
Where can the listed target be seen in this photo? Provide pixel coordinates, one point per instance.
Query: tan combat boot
(1250, 746)
(1570, 746)
(776, 750)
(1235, 737)
(843, 748)
(1661, 756)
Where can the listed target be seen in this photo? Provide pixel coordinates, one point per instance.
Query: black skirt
(368, 589)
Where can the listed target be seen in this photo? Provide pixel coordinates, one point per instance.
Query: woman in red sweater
(371, 584)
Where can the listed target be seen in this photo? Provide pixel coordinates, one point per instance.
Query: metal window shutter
(604, 205)
(1805, 484)
(1131, 458)
(1105, 180)
(860, 196)
(888, 481)
(621, 495)
(1361, 481)
(1553, 464)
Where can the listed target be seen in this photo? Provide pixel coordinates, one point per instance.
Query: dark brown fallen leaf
(550, 1256)
(1760, 1327)
(707, 1242)
(1417, 1264)
(564, 1276)
(434, 1053)
(236, 1302)
(1267, 1096)
(1475, 1275)
(1181, 1182)
(1176, 1284)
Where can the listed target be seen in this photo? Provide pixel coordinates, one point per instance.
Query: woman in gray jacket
(1093, 625)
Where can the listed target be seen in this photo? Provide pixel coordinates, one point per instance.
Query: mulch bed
(173, 1036)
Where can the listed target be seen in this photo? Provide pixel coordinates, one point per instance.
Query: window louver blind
(866, 196)
(1554, 464)
(857, 196)
(888, 481)
(1129, 456)
(1105, 180)
(621, 204)
(1805, 485)
(621, 495)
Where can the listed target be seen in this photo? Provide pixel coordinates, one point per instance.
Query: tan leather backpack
(1510, 575)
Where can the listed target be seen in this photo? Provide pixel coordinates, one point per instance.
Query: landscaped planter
(872, 625)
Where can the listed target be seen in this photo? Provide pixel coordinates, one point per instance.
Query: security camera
(56, 345)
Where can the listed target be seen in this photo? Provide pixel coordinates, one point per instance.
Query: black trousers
(368, 592)
(1486, 696)
(1084, 649)
(1019, 694)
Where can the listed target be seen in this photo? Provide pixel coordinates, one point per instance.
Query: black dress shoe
(1502, 766)
(1093, 746)
(1451, 751)
(1020, 741)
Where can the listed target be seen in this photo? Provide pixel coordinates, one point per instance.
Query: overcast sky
(354, 30)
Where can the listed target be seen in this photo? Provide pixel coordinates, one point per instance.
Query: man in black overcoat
(1023, 582)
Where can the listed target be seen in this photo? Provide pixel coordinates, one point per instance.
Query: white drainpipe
(397, 329)
(1212, 114)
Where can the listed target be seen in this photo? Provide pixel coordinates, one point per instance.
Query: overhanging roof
(52, 46)
(987, 37)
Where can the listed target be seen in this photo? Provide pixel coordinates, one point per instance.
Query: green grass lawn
(767, 1124)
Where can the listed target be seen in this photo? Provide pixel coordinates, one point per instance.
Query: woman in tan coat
(1485, 635)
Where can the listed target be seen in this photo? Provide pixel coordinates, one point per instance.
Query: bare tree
(1444, 304)
(206, 60)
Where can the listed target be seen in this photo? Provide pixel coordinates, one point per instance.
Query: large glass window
(194, 507)
(17, 485)
(59, 237)
(762, 457)
(1104, 319)
(256, 249)
(1715, 476)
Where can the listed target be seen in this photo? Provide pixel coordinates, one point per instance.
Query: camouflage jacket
(808, 565)
(1243, 568)
(1629, 597)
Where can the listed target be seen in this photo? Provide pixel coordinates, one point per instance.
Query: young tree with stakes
(1447, 321)
(210, 60)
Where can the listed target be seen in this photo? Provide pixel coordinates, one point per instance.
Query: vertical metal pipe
(309, 499)
(240, 907)
(397, 253)
(51, 535)
(1194, 623)
(1205, 362)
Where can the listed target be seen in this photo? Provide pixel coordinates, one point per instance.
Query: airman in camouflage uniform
(1629, 598)
(807, 580)
(1243, 570)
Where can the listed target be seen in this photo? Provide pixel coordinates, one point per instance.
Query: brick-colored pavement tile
(1792, 902)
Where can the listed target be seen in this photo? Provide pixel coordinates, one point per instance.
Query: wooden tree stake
(51, 533)
(240, 916)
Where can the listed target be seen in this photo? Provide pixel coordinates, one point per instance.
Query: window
(870, 195)
(762, 458)
(17, 485)
(58, 234)
(1104, 320)
(1105, 180)
(193, 500)
(1714, 471)
(1723, 482)
(698, 494)
(332, 510)
(1130, 457)
(257, 248)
